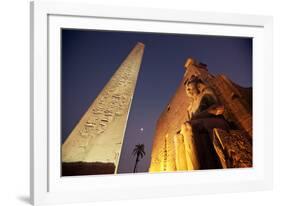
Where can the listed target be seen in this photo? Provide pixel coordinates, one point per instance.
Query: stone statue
(205, 114)
(207, 123)
(205, 110)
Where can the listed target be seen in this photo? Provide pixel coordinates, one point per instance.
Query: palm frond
(139, 150)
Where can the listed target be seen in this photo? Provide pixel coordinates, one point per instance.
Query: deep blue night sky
(89, 58)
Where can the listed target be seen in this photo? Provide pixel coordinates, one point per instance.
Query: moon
(141, 129)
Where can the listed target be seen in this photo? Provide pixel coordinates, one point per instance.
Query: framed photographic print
(133, 103)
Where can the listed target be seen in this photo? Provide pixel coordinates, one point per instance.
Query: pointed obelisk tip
(141, 44)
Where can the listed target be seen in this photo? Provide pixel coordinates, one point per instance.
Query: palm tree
(139, 152)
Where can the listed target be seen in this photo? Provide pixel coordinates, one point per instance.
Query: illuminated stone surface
(180, 157)
(190, 147)
(202, 103)
(98, 136)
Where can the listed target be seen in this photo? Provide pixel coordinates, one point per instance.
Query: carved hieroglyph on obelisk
(99, 134)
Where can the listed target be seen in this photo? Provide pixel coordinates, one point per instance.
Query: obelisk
(98, 136)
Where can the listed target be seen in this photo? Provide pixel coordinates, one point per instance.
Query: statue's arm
(215, 109)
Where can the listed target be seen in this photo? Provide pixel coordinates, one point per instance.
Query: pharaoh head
(195, 87)
(201, 94)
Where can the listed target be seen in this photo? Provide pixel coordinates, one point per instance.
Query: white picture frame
(46, 184)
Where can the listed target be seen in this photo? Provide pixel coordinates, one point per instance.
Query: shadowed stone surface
(85, 168)
(233, 149)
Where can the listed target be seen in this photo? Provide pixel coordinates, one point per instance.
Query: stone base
(86, 168)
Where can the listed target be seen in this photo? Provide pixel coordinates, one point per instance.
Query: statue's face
(195, 87)
(191, 89)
